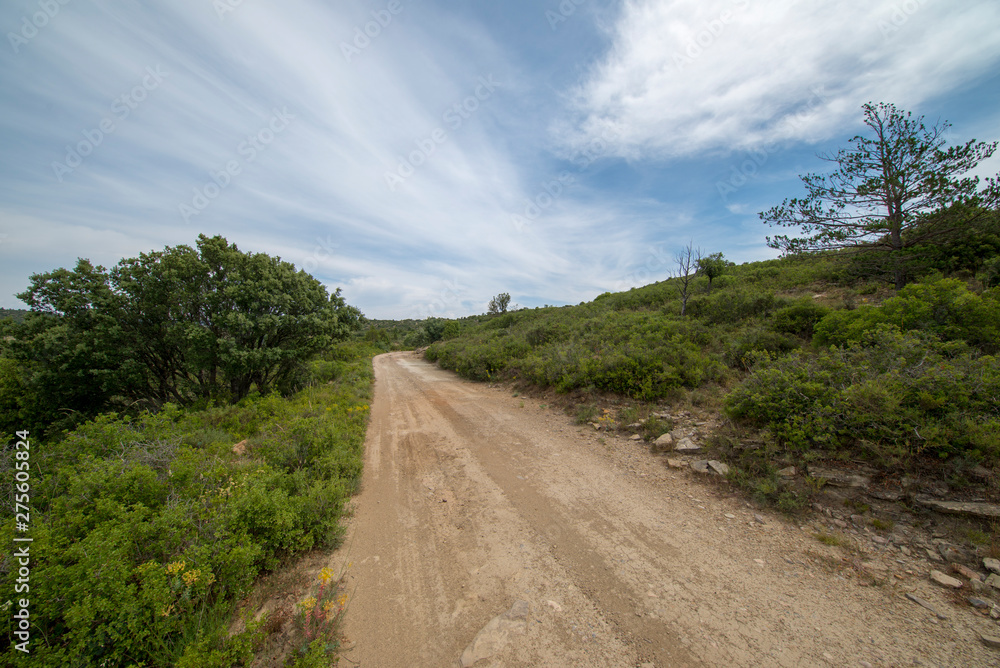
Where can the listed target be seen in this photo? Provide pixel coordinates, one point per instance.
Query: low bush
(644, 355)
(941, 306)
(892, 396)
(734, 305)
(752, 344)
(148, 530)
(798, 319)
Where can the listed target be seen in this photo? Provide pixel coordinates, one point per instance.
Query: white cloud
(688, 76)
(442, 241)
(321, 183)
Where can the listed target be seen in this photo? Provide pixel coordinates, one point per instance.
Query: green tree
(499, 304)
(884, 186)
(434, 329)
(70, 357)
(712, 266)
(991, 272)
(180, 325)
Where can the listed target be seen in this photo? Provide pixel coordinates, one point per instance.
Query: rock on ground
(945, 580)
(496, 634)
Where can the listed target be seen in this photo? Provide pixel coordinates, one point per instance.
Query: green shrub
(751, 345)
(893, 396)
(655, 427)
(942, 306)
(451, 329)
(732, 306)
(325, 371)
(990, 275)
(147, 531)
(377, 335)
(799, 319)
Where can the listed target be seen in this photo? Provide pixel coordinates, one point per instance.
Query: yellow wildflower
(191, 577)
(308, 603)
(329, 606)
(325, 575)
(176, 567)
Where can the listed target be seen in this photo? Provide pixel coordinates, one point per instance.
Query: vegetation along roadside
(198, 419)
(871, 343)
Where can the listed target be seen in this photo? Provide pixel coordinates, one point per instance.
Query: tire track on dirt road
(473, 501)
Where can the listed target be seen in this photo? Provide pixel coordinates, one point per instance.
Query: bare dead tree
(687, 267)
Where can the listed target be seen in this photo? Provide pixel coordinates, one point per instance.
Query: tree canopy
(499, 304)
(885, 187)
(180, 325)
(713, 266)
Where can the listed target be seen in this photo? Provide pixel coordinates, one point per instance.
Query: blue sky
(426, 155)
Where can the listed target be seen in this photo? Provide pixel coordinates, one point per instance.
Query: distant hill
(15, 314)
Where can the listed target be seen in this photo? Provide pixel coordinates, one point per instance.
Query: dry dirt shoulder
(491, 531)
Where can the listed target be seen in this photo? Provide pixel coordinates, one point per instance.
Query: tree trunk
(899, 276)
(896, 245)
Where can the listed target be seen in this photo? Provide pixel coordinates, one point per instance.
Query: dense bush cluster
(798, 347)
(638, 354)
(193, 423)
(890, 395)
(148, 530)
(944, 307)
(635, 343)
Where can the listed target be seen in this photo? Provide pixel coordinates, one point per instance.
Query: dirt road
(495, 532)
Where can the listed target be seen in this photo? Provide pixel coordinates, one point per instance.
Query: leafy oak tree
(180, 325)
(69, 359)
(712, 266)
(499, 304)
(884, 187)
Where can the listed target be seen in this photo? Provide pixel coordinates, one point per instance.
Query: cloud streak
(688, 77)
(296, 129)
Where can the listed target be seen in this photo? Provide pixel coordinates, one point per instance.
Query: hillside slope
(802, 361)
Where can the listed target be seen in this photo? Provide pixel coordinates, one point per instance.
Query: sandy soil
(493, 529)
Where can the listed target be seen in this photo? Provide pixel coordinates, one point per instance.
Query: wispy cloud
(477, 109)
(687, 77)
